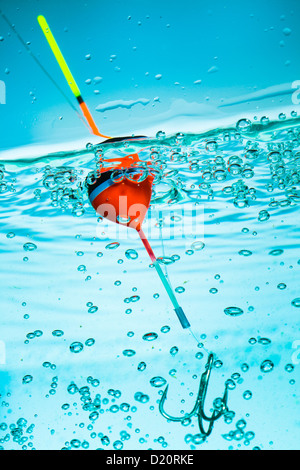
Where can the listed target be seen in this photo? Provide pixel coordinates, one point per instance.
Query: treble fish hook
(198, 408)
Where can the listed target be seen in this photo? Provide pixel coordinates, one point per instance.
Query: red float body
(125, 202)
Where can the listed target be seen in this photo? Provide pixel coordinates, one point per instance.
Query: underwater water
(88, 336)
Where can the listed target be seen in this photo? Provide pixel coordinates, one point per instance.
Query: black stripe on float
(102, 178)
(80, 99)
(121, 139)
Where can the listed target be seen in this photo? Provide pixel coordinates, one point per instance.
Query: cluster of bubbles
(53, 386)
(4, 185)
(217, 166)
(20, 433)
(76, 347)
(95, 405)
(153, 336)
(88, 404)
(66, 190)
(241, 434)
(32, 335)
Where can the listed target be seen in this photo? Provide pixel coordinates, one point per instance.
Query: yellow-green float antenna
(68, 75)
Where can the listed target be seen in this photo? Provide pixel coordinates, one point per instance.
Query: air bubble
(160, 135)
(57, 333)
(244, 125)
(131, 254)
(29, 246)
(128, 352)
(245, 252)
(296, 302)
(211, 146)
(174, 350)
(112, 246)
(141, 397)
(179, 289)
(199, 355)
(118, 445)
(165, 329)
(197, 246)
(117, 176)
(233, 311)
(267, 366)
(150, 336)
(165, 260)
(287, 31)
(76, 347)
(276, 252)
(263, 216)
(81, 267)
(93, 309)
(289, 368)
(27, 379)
(141, 366)
(157, 381)
(281, 286)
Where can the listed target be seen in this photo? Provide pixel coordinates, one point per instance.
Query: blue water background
(233, 48)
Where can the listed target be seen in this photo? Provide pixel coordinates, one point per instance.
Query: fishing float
(107, 193)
